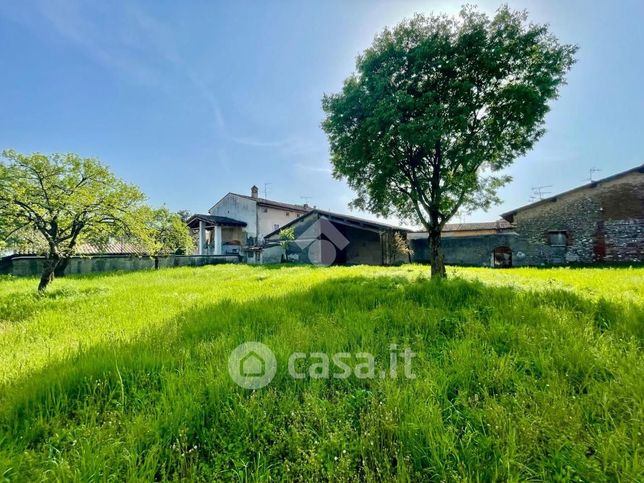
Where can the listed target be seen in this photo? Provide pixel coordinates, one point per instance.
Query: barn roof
(343, 219)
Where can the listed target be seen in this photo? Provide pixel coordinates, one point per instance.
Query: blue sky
(190, 100)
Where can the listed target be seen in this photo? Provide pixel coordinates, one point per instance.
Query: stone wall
(470, 250)
(624, 240)
(21, 266)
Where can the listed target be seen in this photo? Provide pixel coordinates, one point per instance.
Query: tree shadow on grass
(17, 307)
(487, 356)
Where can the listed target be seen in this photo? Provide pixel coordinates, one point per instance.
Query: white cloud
(293, 146)
(249, 141)
(318, 169)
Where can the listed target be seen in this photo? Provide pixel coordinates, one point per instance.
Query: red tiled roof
(112, 248)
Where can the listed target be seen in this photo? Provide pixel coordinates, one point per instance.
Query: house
(327, 238)
(601, 221)
(249, 226)
(237, 223)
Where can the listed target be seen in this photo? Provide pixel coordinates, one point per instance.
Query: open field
(523, 374)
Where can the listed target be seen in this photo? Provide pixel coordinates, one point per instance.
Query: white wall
(269, 217)
(238, 208)
(260, 220)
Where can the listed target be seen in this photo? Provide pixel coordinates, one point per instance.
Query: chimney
(254, 191)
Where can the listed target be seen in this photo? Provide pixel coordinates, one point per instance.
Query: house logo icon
(252, 365)
(322, 240)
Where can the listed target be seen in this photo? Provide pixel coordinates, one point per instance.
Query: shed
(327, 238)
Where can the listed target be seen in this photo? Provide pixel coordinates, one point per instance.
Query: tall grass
(521, 375)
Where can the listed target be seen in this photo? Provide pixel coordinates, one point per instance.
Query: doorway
(502, 257)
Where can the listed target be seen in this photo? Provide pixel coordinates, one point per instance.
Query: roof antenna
(538, 192)
(591, 171)
(306, 199)
(266, 185)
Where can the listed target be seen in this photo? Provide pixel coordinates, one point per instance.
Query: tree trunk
(60, 268)
(48, 271)
(435, 226)
(436, 254)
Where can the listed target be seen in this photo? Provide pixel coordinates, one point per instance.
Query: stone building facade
(600, 222)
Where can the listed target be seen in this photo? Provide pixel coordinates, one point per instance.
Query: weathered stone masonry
(602, 222)
(599, 222)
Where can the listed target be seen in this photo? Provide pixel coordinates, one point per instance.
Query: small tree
(439, 105)
(399, 245)
(165, 234)
(184, 214)
(63, 200)
(287, 235)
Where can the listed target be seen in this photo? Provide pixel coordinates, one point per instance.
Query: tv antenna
(306, 199)
(592, 171)
(266, 185)
(539, 192)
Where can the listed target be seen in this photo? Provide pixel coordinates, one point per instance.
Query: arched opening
(502, 257)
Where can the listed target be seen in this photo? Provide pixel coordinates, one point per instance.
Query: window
(276, 226)
(265, 210)
(557, 238)
(288, 213)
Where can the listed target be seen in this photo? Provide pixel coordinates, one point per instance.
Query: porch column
(202, 236)
(217, 235)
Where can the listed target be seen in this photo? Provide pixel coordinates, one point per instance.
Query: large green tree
(54, 203)
(436, 108)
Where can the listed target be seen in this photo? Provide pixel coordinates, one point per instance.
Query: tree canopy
(167, 233)
(437, 107)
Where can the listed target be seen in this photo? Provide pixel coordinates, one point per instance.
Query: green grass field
(523, 374)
